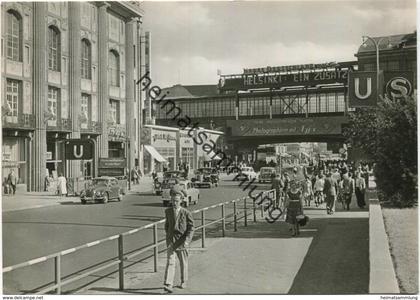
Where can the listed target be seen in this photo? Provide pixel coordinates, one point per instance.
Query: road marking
(68, 251)
(148, 226)
(34, 261)
(113, 237)
(7, 269)
(92, 243)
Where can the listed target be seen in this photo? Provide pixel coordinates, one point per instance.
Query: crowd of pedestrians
(326, 183)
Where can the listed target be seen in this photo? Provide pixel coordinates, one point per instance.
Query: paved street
(41, 231)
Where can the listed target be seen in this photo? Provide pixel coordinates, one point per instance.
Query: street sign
(112, 163)
(363, 90)
(398, 84)
(79, 149)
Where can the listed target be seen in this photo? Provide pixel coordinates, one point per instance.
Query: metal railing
(59, 281)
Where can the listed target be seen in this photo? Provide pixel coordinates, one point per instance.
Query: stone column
(103, 97)
(74, 79)
(40, 67)
(129, 90)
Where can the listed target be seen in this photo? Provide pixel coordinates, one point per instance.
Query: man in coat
(12, 180)
(179, 228)
(330, 191)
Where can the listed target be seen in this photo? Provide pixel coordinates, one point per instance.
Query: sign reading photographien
(289, 126)
(275, 78)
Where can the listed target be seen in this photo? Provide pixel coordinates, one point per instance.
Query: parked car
(102, 189)
(206, 177)
(193, 194)
(266, 174)
(246, 173)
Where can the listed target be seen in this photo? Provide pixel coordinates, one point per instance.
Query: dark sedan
(102, 189)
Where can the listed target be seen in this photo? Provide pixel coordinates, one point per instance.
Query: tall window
(86, 59)
(13, 92)
(54, 49)
(114, 111)
(53, 99)
(84, 110)
(14, 36)
(114, 68)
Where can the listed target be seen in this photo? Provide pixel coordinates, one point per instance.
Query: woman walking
(294, 206)
(360, 190)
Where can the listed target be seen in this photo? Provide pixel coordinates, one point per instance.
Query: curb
(382, 274)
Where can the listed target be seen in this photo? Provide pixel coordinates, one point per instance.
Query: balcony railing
(61, 125)
(91, 127)
(21, 121)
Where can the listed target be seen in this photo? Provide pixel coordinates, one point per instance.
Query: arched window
(54, 46)
(86, 59)
(14, 36)
(114, 68)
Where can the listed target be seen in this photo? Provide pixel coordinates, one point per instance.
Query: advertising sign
(112, 163)
(398, 84)
(257, 81)
(287, 127)
(79, 149)
(363, 89)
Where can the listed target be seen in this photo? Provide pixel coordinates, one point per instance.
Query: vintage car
(266, 174)
(159, 184)
(206, 177)
(246, 173)
(192, 197)
(102, 189)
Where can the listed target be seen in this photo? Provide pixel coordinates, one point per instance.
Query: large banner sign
(398, 84)
(257, 81)
(363, 89)
(287, 126)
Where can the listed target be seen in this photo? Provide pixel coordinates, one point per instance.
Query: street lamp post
(376, 44)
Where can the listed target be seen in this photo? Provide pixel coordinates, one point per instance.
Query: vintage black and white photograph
(209, 148)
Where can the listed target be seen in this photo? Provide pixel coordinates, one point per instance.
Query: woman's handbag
(302, 220)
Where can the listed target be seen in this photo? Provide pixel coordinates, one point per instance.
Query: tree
(388, 134)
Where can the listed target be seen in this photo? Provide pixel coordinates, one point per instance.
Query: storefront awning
(153, 152)
(211, 156)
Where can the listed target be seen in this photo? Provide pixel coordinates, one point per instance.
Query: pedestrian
(319, 189)
(330, 191)
(294, 205)
(278, 185)
(61, 185)
(286, 183)
(179, 228)
(348, 189)
(12, 180)
(307, 191)
(360, 186)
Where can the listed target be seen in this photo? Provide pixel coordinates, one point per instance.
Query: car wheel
(120, 196)
(83, 201)
(106, 198)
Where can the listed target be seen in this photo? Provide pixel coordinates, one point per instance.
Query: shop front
(160, 144)
(186, 149)
(14, 157)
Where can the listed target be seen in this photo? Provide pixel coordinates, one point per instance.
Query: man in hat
(179, 228)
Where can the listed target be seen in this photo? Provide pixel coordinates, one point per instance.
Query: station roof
(397, 41)
(191, 91)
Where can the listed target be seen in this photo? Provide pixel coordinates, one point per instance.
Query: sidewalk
(31, 200)
(331, 256)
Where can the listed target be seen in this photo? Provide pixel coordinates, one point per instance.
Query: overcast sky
(191, 40)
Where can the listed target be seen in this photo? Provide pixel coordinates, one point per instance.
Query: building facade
(69, 71)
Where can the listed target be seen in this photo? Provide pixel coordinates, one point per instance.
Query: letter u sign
(78, 153)
(357, 88)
